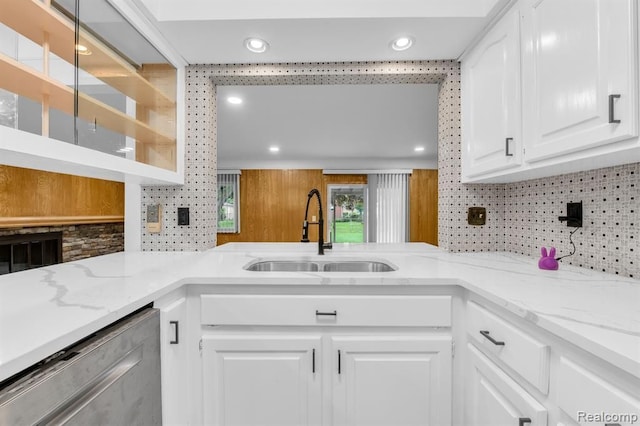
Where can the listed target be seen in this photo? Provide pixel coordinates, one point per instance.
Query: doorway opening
(347, 213)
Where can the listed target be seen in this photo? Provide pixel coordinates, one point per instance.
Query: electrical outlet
(477, 216)
(183, 216)
(574, 215)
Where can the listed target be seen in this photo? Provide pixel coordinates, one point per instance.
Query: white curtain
(392, 199)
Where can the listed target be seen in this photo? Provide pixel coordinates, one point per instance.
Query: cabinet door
(491, 107)
(391, 381)
(579, 387)
(173, 352)
(261, 380)
(579, 75)
(495, 399)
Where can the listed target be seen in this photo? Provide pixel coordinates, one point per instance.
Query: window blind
(228, 202)
(392, 207)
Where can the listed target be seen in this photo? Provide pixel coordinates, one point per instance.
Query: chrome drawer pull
(327, 314)
(506, 147)
(176, 338)
(612, 111)
(485, 333)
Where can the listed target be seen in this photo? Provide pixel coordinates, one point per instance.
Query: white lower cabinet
(292, 379)
(392, 380)
(315, 360)
(495, 399)
(173, 354)
(253, 379)
(298, 360)
(516, 376)
(588, 398)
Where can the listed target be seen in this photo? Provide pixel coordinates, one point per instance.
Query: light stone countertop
(44, 310)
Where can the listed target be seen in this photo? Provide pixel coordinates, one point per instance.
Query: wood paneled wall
(423, 206)
(35, 198)
(272, 204)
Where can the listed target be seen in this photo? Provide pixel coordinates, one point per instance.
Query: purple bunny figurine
(549, 261)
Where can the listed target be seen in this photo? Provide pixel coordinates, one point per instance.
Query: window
(347, 213)
(229, 202)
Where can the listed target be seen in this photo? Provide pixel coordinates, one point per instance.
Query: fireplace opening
(20, 252)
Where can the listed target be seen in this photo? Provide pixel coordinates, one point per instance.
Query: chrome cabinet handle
(327, 314)
(485, 333)
(612, 109)
(506, 147)
(523, 420)
(313, 361)
(176, 339)
(339, 363)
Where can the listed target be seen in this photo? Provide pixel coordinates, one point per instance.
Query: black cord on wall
(573, 251)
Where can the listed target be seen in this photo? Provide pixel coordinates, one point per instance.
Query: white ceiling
(333, 127)
(328, 127)
(207, 31)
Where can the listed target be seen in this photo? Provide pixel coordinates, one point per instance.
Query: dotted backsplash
(199, 191)
(608, 240)
(521, 216)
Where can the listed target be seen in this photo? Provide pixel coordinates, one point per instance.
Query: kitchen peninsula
(587, 314)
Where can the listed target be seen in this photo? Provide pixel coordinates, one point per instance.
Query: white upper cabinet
(560, 77)
(579, 74)
(491, 108)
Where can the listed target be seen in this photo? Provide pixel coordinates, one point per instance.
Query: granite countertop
(45, 310)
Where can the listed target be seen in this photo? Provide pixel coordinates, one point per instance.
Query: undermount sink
(292, 265)
(283, 266)
(357, 266)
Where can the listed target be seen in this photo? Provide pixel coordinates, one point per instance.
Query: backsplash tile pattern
(520, 216)
(198, 192)
(454, 198)
(201, 135)
(609, 238)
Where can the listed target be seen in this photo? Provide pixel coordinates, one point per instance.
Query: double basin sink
(303, 265)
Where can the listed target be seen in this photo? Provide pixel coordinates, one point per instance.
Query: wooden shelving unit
(21, 79)
(42, 24)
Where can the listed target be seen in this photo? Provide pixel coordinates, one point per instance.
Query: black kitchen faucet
(320, 223)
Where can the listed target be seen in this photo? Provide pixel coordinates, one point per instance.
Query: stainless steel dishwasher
(111, 378)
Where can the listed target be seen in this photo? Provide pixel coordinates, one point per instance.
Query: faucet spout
(320, 222)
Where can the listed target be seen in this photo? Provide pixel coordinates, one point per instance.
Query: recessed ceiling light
(256, 45)
(419, 149)
(125, 149)
(401, 43)
(274, 149)
(83, 50)
(234, 100)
